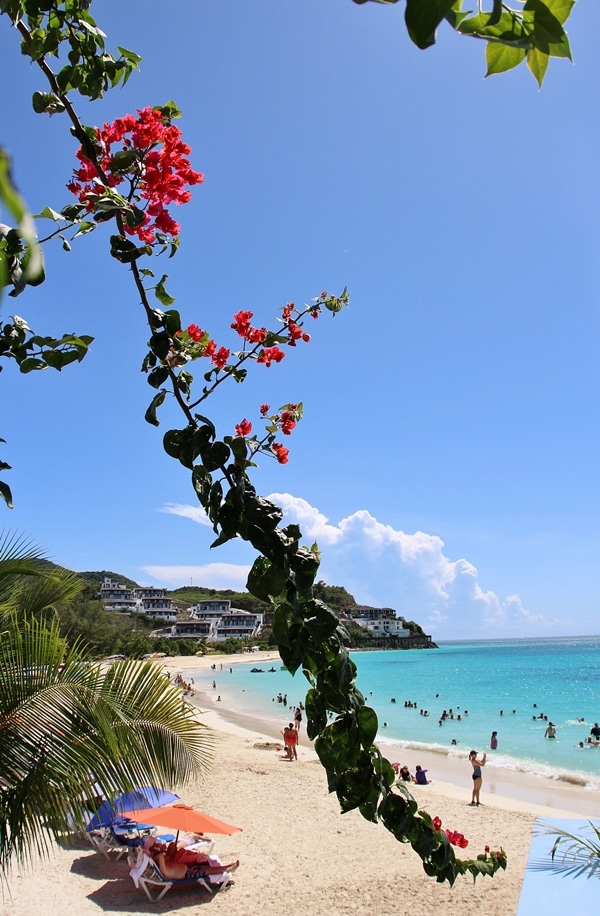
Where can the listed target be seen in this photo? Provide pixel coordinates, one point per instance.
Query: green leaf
(501, 58)
(162, 295)
(85, 227)
(423, 18)
(560, 9)
(215, 455)
(547, 33)
(158, 376)
(31, 364)
(6, 494)
(367, 725)
(130, 56)
(537, 61)
(265, 579)
(48, 213)
(170, 110)
(157, 400)
(46, 102)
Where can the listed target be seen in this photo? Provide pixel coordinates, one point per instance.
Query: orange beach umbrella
(181, 817)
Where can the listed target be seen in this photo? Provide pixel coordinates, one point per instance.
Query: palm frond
(572, 854)
(16, 548)
(67, 725)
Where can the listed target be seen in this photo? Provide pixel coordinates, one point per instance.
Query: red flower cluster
(217, 357)
(270, 355)
(287, 423)
(281, 453)
(241, 324)
(457, 839)
(159, 170)
(244, 428)
(295, 332)
(195, 333)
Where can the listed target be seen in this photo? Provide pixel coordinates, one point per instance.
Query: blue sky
(448, 459)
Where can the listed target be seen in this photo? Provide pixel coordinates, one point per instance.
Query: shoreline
(539, 795)
(295, 844)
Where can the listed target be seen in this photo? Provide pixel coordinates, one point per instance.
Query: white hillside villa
(379, 621)
(217, 621)
(148, 600)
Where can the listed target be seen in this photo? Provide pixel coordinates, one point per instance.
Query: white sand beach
(297, 851)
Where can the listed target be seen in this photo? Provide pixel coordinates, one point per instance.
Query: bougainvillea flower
(287, 423)
(195, 333)
(437, 823)
(457, 839)
(244, 428)
(156, 168)
(270, 355)
(220, 357)
(264, 410)
(281, 453)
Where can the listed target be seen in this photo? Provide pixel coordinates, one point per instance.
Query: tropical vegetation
(69, 728)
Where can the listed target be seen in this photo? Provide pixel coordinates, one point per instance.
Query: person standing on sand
(494, 741)
(292, 741)
(297, 718)
(477, 776)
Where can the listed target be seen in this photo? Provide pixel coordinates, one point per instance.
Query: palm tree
(68, 725)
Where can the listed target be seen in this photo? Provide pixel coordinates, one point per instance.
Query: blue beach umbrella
(142, 797)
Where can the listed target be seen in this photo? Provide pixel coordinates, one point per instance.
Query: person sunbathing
(178, 863)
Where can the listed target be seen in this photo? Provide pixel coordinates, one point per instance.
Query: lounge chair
(120, 837)
(146, 874)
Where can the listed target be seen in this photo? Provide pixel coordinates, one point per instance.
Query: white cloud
(386, 567)
(194, 513)
(212, 575)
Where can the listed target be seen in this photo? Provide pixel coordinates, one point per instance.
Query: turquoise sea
(496, 685)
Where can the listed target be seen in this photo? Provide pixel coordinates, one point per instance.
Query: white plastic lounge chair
(145, 874)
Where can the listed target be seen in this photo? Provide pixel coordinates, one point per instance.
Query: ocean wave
(499, 762)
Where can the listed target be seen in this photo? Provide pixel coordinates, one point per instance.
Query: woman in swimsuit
(477, 777)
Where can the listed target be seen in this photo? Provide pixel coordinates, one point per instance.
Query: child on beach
(494, 741)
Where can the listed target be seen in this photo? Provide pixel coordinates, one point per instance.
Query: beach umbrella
(144, 796)
(181, 817)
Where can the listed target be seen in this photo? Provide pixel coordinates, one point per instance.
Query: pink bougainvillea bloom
(306, 338)
(264, 410)
(195, 333)
(437, 823)
(244, 428)
(281, 453)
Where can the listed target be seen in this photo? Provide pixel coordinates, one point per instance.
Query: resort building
(149, 600)
(217, 621)
(379, 621)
